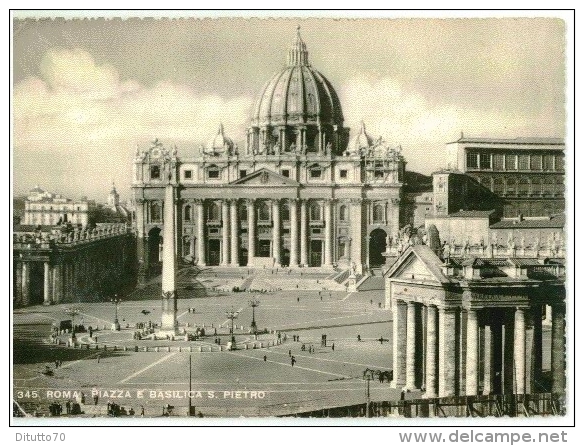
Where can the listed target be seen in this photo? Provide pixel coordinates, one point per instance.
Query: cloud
(423, 127)
(83, 114)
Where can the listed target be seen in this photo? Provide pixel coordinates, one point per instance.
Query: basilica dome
(297, 94)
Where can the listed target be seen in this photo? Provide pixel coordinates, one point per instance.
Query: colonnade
(450, 351)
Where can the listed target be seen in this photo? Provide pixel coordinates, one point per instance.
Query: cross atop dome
(297, 54)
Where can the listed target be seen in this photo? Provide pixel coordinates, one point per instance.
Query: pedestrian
(98, 358)
(265, 358)
(333, 347)
(141, 411)
(68, 407)
(290, 353)
(358, 338)
(95, 399)
(298, 299)
(292, 361)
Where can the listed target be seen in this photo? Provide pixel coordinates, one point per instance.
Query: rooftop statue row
(64, 235)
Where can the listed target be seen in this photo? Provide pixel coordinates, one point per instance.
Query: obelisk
(169, 322)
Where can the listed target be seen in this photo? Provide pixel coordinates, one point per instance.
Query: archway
(377, 246)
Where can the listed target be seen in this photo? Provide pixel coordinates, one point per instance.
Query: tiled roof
(524, 262)
(556, 221)
(521, 140)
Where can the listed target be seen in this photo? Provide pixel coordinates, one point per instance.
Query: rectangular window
(559, 162)
(485, 161)
(343, 173)
(242, 173)
(154, 172)
(188, 174)
(523, 161)
(548, 162)
(535, 162)
(472, 160)
(510, 162)
(315, 173)
(286, 173)
(498, 162)
(213, 174)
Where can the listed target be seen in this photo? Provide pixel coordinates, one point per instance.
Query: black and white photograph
(290, 217)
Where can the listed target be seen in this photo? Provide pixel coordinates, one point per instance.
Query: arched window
(343, 213)
(536, 186)
(511, 186)
(378, 212)
(523, 187)
(263, 211)
(315, 212)
(213, 213)
(187, 213)
(285, 212)
(155, 212)
(498, 186)
(548, 186)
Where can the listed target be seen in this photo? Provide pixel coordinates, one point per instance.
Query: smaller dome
(362, 140)
(220, 143)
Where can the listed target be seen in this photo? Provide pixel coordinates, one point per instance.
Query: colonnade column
(488, 362)
(225, 233)
(303, 234)
(472, 351)
(250, 231)
(276, 240)
(47, 285)
(411, 346)
(328, 234)
(57, 284)
(356, 233)
(519, 350)
(431, 352)
(234, 234)
(558, 349)
(399, 343)
(25, 283)
(446, 352)
(293, 232)
(200, 233)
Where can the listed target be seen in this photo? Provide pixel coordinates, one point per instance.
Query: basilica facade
(301, 193)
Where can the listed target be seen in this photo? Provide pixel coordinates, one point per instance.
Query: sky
(86, 93)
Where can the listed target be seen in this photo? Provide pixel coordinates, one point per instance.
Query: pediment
(414, 268)
(265, 177)
(419, 263)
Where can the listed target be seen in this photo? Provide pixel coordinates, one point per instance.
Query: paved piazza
(224, 383)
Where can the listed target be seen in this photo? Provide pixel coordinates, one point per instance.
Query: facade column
(519, 351)
(225, 233)
(472, 351)
(411, 346)
(431, 351)
(558, 349)
(508, 353)
(234, 234)
(356, 217)
(25, 284)
(328, 234)
(251, 231)
(276, 238)
(446, 352)
(303, 234)
(293, 232)
(47, 285)
(488, 362)
(399, 344)
(202, 261)
(192, 247)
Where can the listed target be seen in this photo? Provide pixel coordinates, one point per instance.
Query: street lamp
(368, 374)
(253, 303)
(116, 301)
(232, 315)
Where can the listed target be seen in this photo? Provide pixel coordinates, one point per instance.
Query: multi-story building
(46, 209)
(299, 193)
(526, 173)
